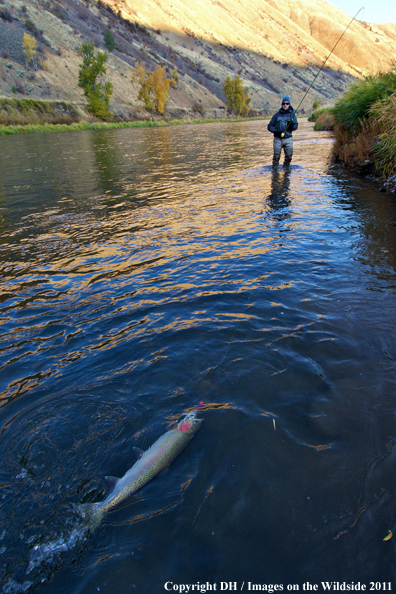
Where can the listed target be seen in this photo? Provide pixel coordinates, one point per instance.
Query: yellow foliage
(29, 47)
(237, 97)
(175, 80)
(153, 87)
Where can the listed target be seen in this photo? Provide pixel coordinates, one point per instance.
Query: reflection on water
(279, 200)
(144, 271)
(107, 163)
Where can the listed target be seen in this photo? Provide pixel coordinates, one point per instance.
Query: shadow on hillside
(202, 64)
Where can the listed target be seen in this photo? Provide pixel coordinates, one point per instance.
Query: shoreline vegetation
(24, 116)
(85, 125)
(363, 121)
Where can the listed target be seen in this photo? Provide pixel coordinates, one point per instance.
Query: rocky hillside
(276, 52)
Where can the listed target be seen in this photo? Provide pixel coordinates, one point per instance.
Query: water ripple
(145, 271)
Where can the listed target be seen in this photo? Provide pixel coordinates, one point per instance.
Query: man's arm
(271, 125)
(294, 125)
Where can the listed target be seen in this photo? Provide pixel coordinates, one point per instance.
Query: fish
(149, 464)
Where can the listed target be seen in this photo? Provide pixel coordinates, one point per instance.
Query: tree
(154, 87)
(97, 92)
(29, 48)
(109, 40)
(175, 80)
(237, 98)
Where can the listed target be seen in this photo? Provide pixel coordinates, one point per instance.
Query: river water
(147, 270)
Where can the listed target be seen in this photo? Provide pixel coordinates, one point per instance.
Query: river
(145, 271)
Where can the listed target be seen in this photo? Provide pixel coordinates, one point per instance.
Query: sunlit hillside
(275, 51)
(299, 33)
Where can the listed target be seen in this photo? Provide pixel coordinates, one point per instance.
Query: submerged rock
(391, 184)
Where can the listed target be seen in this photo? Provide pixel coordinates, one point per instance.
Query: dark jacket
(280, 121)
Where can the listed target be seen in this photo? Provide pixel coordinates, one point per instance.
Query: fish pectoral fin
(139, 453)
(172, 427)
(112, 482)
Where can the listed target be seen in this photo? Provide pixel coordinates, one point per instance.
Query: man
(282, 124)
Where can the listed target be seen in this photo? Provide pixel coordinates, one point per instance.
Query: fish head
(190, 423)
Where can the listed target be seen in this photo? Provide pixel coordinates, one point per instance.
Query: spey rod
(321, 68)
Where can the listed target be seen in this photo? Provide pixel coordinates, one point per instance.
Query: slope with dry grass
(275, 52)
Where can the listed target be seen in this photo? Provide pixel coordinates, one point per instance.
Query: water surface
(147, 270)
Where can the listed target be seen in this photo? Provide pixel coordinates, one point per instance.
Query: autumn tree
(154, 87)
(96, 91)
(175, 80)
(29, 49)
(237, 97)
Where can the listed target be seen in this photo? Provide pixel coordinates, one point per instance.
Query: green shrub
(382, 118)
(323, 118)
(175, 80)
(97, 92)
(33, 111)
(354, 106)
(316, 113)
(198, 108)
(317, 104)
(109, 40)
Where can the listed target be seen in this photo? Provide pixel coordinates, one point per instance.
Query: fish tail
(92, 512)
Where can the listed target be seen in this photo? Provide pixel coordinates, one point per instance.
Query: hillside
(274, 52)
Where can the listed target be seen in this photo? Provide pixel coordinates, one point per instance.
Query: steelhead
(150, 463)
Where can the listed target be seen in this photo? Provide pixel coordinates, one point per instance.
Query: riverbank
(32, 128)
(363, 122)
(365, 128)
(23, 112)
(24, 116)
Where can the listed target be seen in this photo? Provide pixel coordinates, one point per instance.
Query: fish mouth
(191, 416)
(188, 422)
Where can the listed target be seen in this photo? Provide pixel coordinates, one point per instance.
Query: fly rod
(321, 68)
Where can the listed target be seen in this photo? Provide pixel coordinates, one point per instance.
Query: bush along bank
(323, 118)
(84, 125)
(365, 128)
(19, 112)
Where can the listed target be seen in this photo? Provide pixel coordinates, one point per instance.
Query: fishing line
(321, 68)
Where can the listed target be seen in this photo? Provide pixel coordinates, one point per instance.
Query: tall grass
(83, 125)
(354, 106)
(354, 151)
(15, 112)
(383, 118)
(323, 118)
(365, 125)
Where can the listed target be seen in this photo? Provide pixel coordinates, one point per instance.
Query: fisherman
(282, 124)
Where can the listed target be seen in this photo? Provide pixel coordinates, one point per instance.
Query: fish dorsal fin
(112, 482)
(139, 453)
